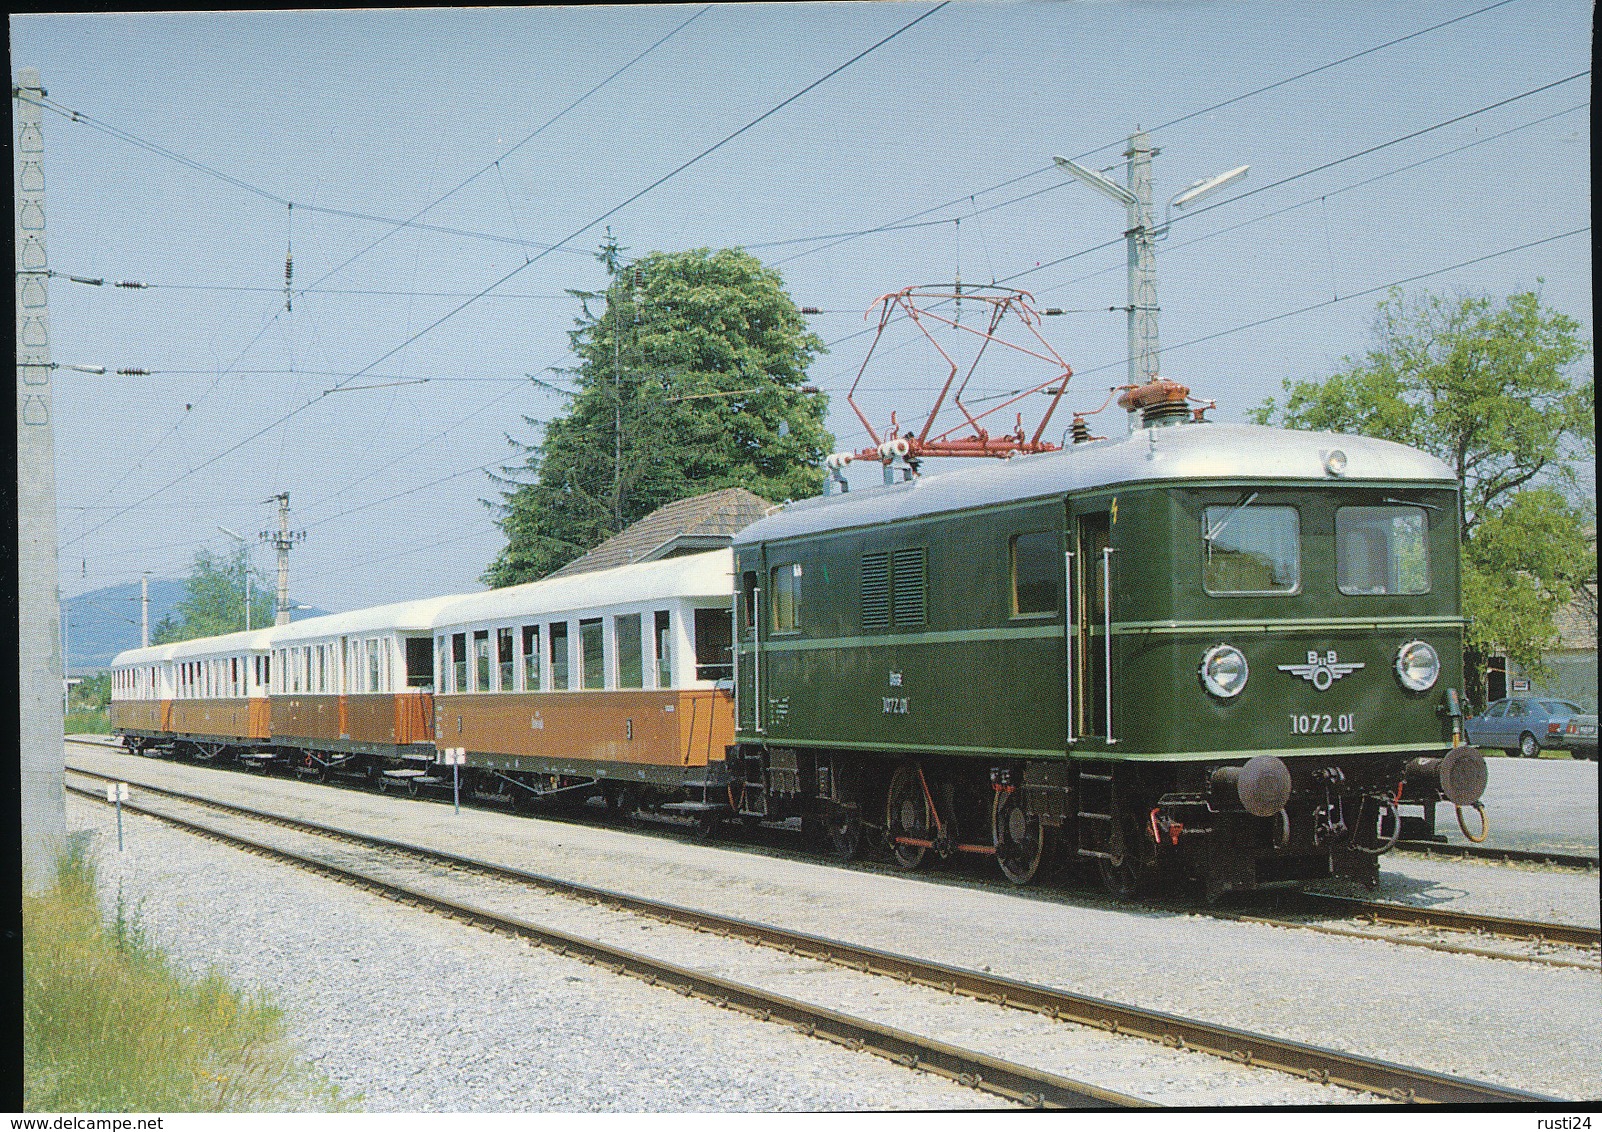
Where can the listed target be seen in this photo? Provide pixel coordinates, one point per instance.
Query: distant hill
(104, 622)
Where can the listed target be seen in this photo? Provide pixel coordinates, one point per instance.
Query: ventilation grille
(908, 570)
(876, 591)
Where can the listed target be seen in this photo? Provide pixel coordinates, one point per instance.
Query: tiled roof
(704, 522)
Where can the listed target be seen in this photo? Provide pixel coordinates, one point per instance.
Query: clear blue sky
(383, 113)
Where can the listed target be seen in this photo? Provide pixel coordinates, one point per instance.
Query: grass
(110, 1025)
(89, 721)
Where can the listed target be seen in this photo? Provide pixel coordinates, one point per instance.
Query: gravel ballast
(414, 1013)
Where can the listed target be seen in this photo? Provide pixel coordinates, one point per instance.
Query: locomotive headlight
(1224, 671)
(1417, 666)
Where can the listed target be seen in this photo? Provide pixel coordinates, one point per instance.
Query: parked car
(1579, 736)
(1524, 725)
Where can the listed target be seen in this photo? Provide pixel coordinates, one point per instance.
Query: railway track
(1032, 1087)
(1379, 920)
(1495, 853)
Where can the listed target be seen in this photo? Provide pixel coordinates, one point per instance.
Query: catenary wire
(522, 267)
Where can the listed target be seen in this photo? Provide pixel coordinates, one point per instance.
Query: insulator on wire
(289, 278)
(133, 373)
(131, 283)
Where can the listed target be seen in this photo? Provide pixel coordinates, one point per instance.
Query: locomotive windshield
(1251, 550)
(1382, 550)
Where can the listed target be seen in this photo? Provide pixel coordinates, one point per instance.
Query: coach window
(503, 657)
(459, 662)
(531, 658)
(628, 647)
(481, 660)
(1251, 549)
(663, 635)
(714, 644)
(1382, 550)
(1037, 563)
(592, 653)
(558, 644)
(784, 597)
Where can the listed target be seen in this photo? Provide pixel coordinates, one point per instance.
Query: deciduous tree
(690, 378)
(214, 600)
(1489, 388)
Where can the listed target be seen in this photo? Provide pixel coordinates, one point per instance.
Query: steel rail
(1025, 1085)
(1539, 931)
(1325, 1066)
(1496, 853)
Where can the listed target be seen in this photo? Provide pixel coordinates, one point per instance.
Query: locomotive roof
(1209, 451)
(688, 576)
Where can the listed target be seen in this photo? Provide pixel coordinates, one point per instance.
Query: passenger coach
(618, 677)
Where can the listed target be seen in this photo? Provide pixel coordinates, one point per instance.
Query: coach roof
(690, 576)
(1178, 453)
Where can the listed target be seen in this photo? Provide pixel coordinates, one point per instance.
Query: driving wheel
(907, 815)
(1019, 838)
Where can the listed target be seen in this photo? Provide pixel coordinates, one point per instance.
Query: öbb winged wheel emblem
(1321, 670)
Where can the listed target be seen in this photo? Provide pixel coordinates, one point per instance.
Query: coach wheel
(907, 814)
(1018, 836)
(844, 828)
(706, 824)
(621, 799)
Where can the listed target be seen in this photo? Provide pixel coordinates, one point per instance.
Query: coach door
(1088, 565)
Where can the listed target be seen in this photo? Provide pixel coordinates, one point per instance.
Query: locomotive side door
(747, 638)
(1087, 565)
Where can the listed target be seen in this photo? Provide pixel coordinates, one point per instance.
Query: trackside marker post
(456, 756)
(117, 794)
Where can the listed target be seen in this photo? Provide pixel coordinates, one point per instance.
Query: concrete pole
(283, 560)
(282, 540)
(1142, 240)
(144, 610)
(40, 675)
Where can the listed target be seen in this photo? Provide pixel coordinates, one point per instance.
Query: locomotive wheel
(1119, 878)
(1528, 747)
(907, 815)
(1120, 875)
(1019, 838)
(844, 827)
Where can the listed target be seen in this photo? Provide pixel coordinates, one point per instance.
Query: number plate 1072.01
(1323, 724)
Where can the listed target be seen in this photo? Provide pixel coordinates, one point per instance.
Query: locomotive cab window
(1036, 564)
(1382, 550)
(748, 591)
(1251, 549)
(784, 597)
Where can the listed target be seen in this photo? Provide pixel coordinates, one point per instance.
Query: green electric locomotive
(1223, 652)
